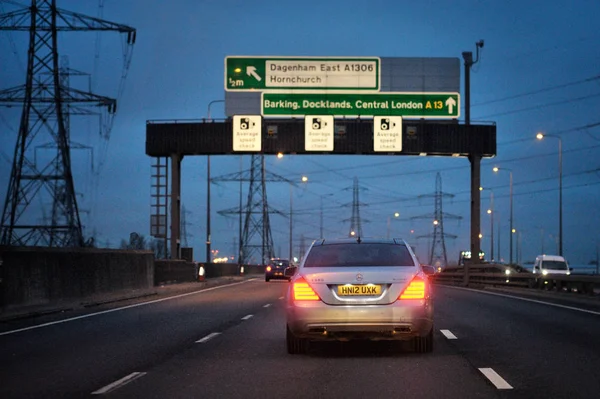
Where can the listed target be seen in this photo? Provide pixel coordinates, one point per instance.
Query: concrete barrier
(231, 269)
(39, 275)
(174, 270)
(36, 276)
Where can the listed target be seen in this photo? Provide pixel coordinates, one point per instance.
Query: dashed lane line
(208, 337)
(247, 317)
(495, 378)
(119, 383)
(448, 334)
(267, 305)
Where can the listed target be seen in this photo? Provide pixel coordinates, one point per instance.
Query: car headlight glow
(507, 272)
(544, 272)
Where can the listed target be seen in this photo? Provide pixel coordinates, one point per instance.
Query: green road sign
(411, 105)
(301, 73)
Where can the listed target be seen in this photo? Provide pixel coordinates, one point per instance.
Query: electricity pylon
(355, 220)
(438, 255)
(47, 99)
(256, 236)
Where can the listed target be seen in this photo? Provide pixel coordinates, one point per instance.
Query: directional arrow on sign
(251, 71)
(450, 103)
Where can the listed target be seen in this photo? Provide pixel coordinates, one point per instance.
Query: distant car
(356, 289)
(550, 264)
(275, 269)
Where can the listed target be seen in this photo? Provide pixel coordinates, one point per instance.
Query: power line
(561, 102)
(327, 169)
(446, 169)
(529, 53)
(543, 90)
(13, 46)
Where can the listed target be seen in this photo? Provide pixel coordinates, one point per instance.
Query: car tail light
(269, 268)
(415, 290)
(304, 292)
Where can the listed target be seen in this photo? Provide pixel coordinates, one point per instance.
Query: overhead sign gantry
(331, 105)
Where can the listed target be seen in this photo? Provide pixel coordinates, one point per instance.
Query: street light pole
(321, 219)
(496, 169)
(388, 228)
(208, 257)
(560, 206)
(511, 217)
(499, 238)
(492, 225)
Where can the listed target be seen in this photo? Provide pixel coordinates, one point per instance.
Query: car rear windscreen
(363, 254)
(283, 263)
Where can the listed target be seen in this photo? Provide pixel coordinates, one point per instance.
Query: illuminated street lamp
(511, 230)
(389, 221)
(540, 136)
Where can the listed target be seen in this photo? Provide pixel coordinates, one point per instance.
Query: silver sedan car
(351, 289)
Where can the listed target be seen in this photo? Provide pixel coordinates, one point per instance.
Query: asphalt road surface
(229, 342)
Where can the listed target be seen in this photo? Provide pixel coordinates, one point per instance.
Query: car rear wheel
(424, 344)
(295, 345)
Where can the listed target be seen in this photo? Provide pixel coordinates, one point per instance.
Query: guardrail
(502, 275)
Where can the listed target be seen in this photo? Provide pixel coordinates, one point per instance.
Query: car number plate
(356, 290)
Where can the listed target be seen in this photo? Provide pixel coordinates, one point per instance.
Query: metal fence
(508, 276)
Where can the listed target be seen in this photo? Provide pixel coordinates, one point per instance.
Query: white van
(551, 264)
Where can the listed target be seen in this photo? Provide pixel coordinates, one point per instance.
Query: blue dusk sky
(539, 71)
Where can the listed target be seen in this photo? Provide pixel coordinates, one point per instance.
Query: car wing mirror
(428, 269)
(290, 271)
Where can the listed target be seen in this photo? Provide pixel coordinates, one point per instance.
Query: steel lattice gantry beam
(352, 136)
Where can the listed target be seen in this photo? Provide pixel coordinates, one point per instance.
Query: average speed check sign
(247, 132)
(387, 133)
(318, 133)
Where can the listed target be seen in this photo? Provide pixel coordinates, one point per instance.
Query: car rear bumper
(397, 321)
(277, 275)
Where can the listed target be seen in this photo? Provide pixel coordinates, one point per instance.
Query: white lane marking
(247, 317)
(122, 308)
(267, 305)
(281, 297)
(208, 337)
(448, 334)
(527, 300)
(118, 383)
(495, 378)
